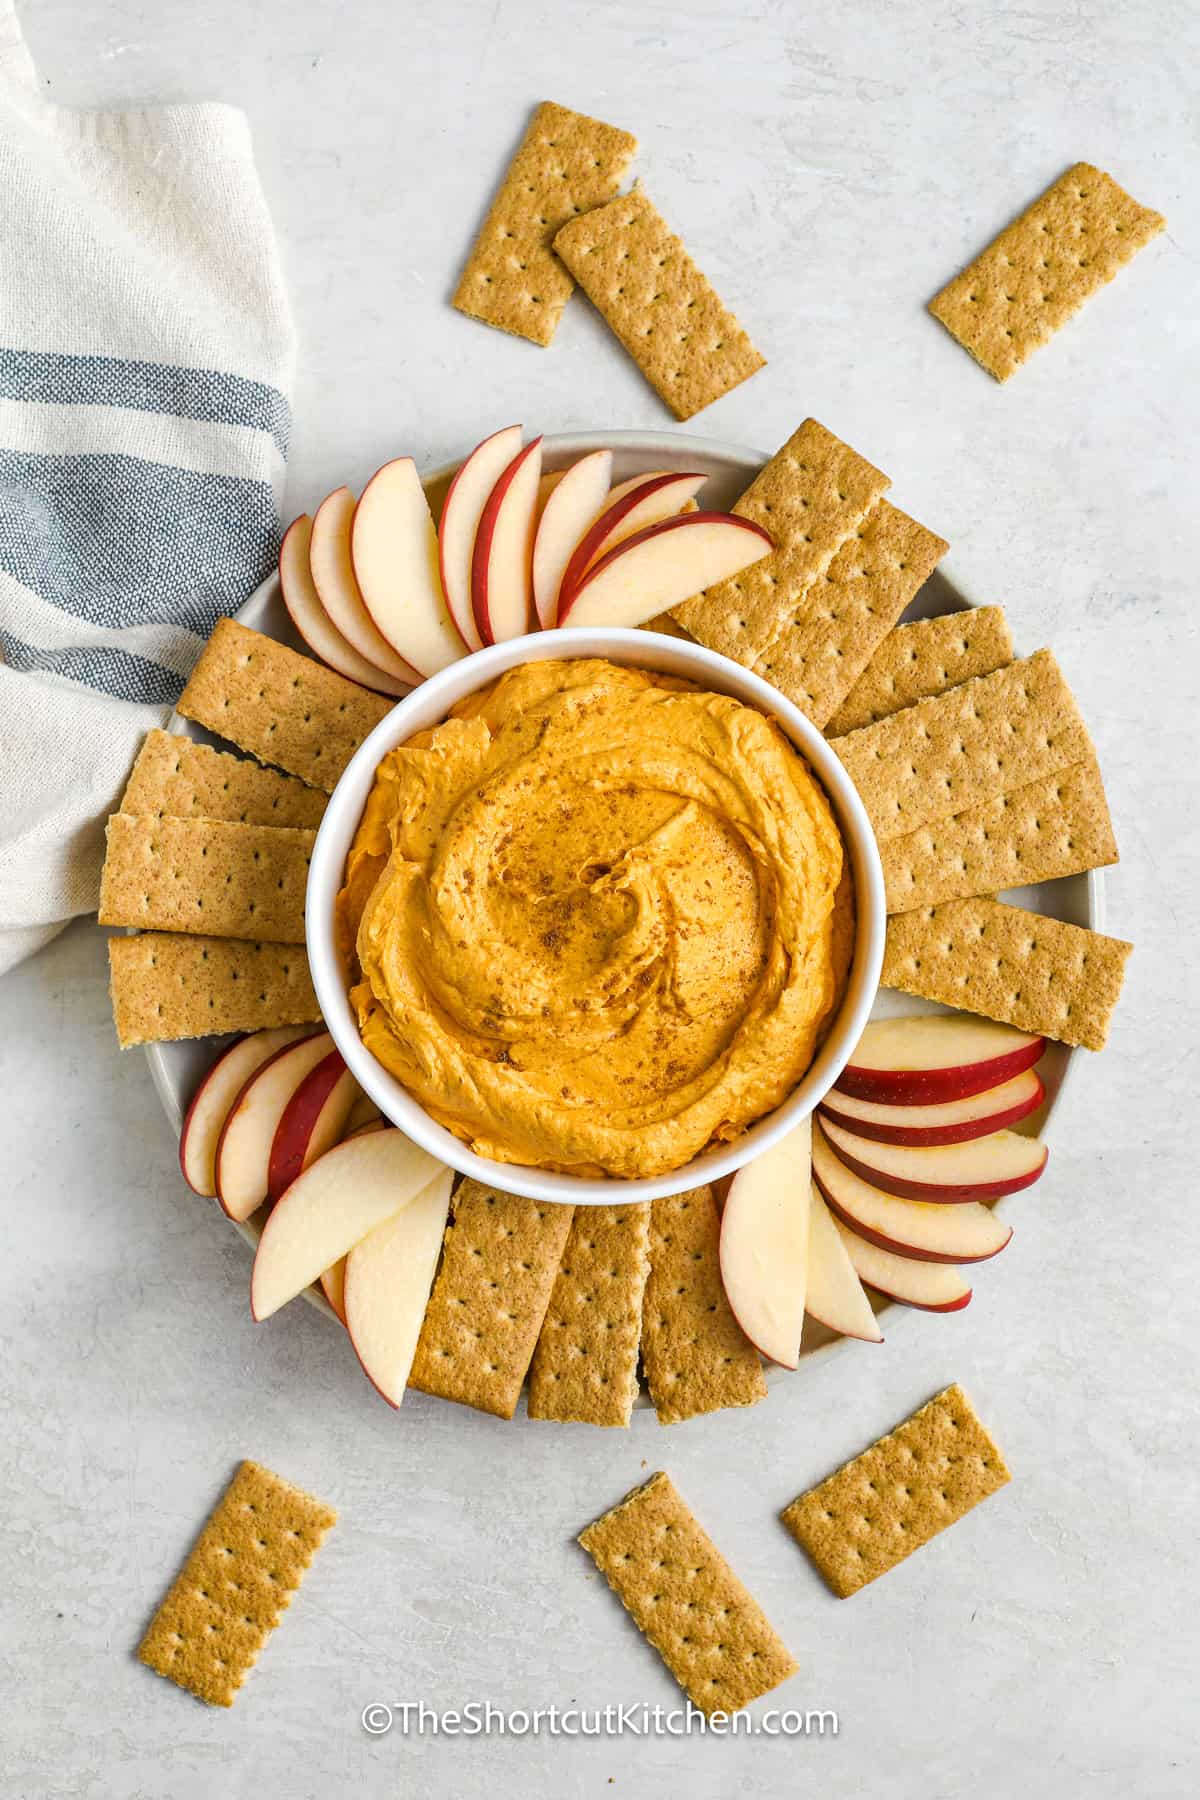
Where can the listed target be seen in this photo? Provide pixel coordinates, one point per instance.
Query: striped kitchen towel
(146, 355)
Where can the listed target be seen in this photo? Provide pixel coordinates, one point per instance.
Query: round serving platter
(176, 1068)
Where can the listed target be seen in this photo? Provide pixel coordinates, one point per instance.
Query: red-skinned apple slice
(330, 1208)
(332, 569)
(642, 501)
(213, 1101)
(764, 1245)
(950, 1122)
(918, 1228)
(663, 566)
(934, 1287)
(984, 1168)
(313, 622)
(572, 503)
(333, 1286)
(243, 1157)
(502, 556)
(388, 1278)
(925, 1058)
(461, 512)
(313, 1121)
(394, 548)
(834, 1295)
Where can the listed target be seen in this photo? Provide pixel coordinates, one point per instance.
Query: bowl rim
(428, 704)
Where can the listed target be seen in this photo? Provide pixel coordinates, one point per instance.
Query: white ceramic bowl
(428, 705)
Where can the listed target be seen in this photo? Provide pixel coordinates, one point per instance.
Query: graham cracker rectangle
(174, 776)
(165, 987)
(1039, 974)
(668, 316)
(282, 707)
(910, 1485)
(696, 1356)
(839, 622)
(239, 1579)
(489, 1299)
(206, 875)
(923, 658)
(686, 1600)
(964, 746)
(567, 164)
(1057, 826)
(585, 1364)
(1040, 270)
(812, 496)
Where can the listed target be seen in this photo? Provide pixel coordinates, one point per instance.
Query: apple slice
(388, 1278)
(332, 569)
(313, 622)
(934, 1287)
(243, 1158)
(331, 1207)
(395, 553)
(633, 505)
(363, 1112)
(465, 500)
(663, 566)
(764, 1245)
(950, 1122)
(834, 1295)
(313, 1121)
(921, 1059)
(984, 1168)
(362, 1130)
(333, 1286)
(917, 1228)
(502, 556)
(573, 501)
(213, 1101)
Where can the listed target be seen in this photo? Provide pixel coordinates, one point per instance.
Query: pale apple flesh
(502, 556)
(834, 1295)
(948, 1122)
(363, 1112)
(463, 507)
(313, 1121)
(923, 1229)
(394, 549)
(631, 507)
(984, 1168)
(925, 1058)
(243, 1158)
(330, 1208)
(389, 1275)
(332, 569)
(663, 566)
(764, 1246)
(333, 1286)
(213, 1101)
(933, 1287)
(574, 500)
(313, 622)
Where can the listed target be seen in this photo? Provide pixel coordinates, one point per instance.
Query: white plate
(177, 1068)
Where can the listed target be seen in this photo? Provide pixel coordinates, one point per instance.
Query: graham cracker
(841, 619)
(282, 707)
(812, 496)
(649, 292)
(910, 1485)
(489, 1299)
(174, 776)
(959, 748)
(240, 1577)
(1018, 967)
(165, 987)
(206, 875)
(1057, 826)
(686, 1600)
(696, 1356)
(567, 164)
(923, 658)
(585, 1364)
(1041, 269)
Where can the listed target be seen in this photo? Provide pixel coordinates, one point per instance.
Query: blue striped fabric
(115, 672)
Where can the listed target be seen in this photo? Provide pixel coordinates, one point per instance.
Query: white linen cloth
(146, 357)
